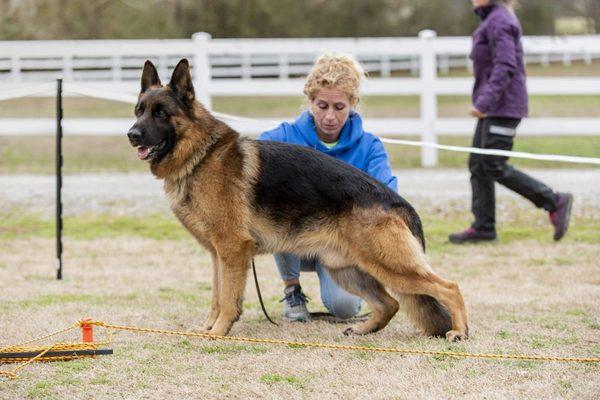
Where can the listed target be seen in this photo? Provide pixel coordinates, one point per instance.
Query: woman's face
(330, 109)
(480, 3)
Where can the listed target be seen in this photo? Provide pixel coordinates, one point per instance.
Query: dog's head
(160, 110)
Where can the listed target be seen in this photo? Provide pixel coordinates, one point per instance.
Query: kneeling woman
(330, 125)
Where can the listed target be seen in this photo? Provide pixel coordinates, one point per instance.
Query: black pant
(499, 133)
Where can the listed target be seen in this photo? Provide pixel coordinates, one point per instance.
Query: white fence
(274, 67)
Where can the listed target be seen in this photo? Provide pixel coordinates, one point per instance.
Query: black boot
(472, 235)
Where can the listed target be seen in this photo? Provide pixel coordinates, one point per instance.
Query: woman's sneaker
(561, 216)
(472, 235)
(294, 307)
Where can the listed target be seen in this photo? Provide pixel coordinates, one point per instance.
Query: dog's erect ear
(181, 81)
(149, 76)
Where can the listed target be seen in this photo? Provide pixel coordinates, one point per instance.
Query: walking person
(499, 103)
(330, 125)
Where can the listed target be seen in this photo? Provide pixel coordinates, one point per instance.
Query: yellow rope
(42, 350)
(80, 346)
(350, 347)
(40, 338)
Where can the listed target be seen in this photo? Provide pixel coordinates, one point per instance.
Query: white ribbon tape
(27, 90)
(494, 152)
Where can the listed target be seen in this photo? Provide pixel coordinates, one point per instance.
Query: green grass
(20, 155)
(66, 376)
(76, 298)
(41, 390)
(101, 379)
(48, 300)
(503, 335)
(565, 384)
(233, 349)
(290, 106)
(271, 379)
(93, 154)
(191, 296)
(520, 227)
(16, 225)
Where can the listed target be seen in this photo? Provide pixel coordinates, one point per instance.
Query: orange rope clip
(87, 330)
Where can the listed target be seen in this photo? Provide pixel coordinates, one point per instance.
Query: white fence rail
(119, 60)
(274, 67)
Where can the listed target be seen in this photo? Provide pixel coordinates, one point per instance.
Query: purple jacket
(497, 55)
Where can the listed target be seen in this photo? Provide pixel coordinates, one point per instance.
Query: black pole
(59, 115)
(58, 353)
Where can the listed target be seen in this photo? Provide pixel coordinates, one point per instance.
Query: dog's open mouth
(148, 152)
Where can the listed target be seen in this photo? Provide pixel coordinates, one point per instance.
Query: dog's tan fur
(209, 177)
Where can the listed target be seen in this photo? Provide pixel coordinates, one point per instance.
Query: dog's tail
(427, 314)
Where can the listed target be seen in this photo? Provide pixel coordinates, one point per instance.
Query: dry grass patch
(522, 298)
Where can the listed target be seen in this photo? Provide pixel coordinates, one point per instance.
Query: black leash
(325, 316)
(262, 305)
(329, 317)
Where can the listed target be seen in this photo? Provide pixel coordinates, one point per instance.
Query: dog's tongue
(143, 152)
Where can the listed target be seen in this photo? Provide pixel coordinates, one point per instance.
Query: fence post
(116, 68)
(428, 97)
(201, 65)
(15, 68)
(68, 67)
(284, 70)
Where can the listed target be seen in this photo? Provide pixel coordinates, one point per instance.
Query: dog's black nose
(135, 135)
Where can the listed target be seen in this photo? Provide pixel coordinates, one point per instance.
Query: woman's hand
(476, 113)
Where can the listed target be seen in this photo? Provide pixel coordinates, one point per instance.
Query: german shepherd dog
(241, 197)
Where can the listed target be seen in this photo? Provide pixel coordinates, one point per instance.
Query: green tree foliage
(537, 16)
(450, 18)
(589, 9)
(116, 19)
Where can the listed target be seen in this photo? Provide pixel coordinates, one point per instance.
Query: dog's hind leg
(234, 260)
(383, 306)
(395, 258)
(419, 307)
(424, 312)
(216, 284)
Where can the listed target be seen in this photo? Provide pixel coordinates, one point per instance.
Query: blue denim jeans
(338, 301)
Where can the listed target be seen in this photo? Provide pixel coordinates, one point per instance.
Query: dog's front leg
(233, 271)
(216, 288)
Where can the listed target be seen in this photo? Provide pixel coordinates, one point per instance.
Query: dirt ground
(533, 297)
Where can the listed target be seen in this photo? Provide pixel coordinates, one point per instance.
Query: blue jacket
(497, 55)
(355, 146)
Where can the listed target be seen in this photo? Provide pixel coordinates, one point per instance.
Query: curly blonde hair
(338, 71)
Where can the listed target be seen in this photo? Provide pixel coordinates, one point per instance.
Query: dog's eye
(160, 113)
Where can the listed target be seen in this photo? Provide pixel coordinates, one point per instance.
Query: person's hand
(476, 113)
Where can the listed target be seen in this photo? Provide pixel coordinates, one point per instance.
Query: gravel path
(142, 193)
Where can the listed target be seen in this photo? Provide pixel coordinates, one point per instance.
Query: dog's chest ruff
(176, 191)
(179, 194)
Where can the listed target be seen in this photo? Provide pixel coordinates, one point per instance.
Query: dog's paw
(207, 326)
(456, 336)
(222, 326)
(210, 322)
